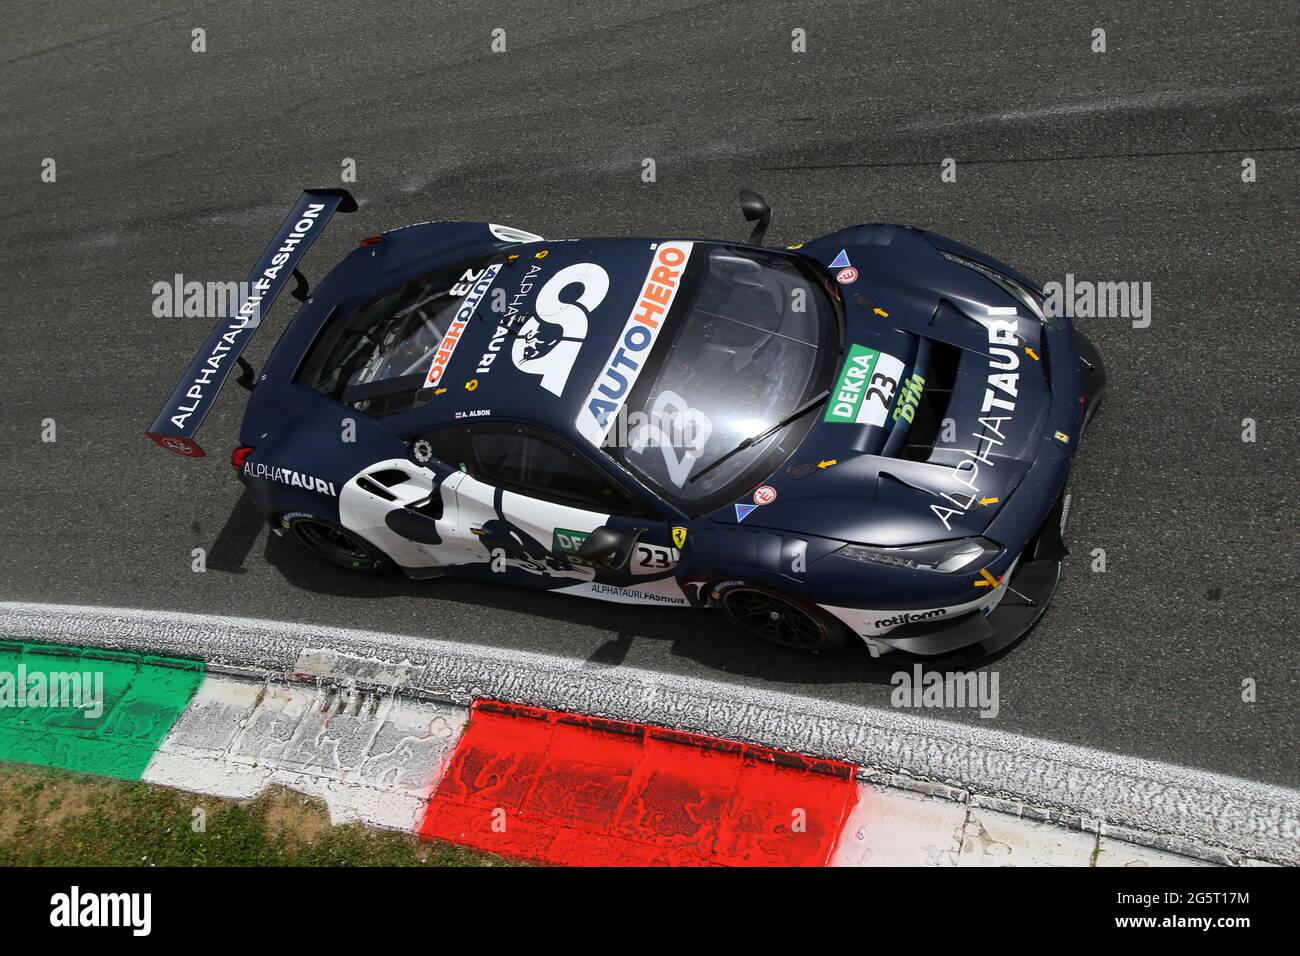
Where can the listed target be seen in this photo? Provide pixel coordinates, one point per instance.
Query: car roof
(579, 309)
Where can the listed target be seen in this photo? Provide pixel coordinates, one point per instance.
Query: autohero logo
(947, 690)
(999, 396)
(287, 476)
(66, 690)
(247, 317)
(633, 347)
(1085, 299)
(76, 909)
(473, 285)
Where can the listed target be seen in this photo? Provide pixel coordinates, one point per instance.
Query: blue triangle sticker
(841, 261)
(742, 511)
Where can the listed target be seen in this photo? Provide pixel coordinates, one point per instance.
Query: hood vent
(940, 377)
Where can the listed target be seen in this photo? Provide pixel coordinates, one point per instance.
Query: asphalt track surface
(1118, 166)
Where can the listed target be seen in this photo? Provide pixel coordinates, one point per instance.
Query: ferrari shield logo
(679, 537)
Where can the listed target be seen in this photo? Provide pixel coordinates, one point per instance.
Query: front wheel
(335, 544)
(779, 619)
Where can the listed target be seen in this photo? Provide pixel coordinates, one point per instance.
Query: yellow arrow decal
(879, 311)
(988, 501)
(988, 580)
(827, 462)
(1032, 354)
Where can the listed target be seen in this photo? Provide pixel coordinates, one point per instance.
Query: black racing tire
(333, 543)
(780, 619)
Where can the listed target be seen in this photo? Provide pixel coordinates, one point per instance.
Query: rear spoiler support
(193, 398)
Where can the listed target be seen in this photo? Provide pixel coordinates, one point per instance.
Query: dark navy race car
(867, 435)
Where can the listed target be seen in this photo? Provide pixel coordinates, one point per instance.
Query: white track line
(1144, 801)
(372, 757)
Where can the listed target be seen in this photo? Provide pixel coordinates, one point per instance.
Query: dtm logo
(549, 342)
(909, 617)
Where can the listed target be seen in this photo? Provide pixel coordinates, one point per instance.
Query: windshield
(376, 358)
(753, 336)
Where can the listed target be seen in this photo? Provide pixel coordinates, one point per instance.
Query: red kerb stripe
(583, 791)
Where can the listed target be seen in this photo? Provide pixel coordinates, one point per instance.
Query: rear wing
(197, 392)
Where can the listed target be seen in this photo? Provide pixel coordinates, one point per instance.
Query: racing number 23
(882, 387)
(653, 558)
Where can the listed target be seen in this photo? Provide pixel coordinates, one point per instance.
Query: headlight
(943, 557)
(1031, 298)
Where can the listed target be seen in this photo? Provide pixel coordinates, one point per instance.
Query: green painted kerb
(91, 710)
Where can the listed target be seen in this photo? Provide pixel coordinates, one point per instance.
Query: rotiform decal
(287, 476)
(910, 617)
(633, 347)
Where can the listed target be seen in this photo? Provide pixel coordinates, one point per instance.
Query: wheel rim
(333, 544)
(774, 619)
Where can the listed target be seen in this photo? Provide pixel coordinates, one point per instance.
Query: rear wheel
(335, 544)
(782, 620)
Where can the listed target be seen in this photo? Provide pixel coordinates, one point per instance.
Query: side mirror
(755, 207)
(609, 547)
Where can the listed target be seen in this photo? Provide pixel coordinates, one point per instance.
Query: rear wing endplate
(197, 392)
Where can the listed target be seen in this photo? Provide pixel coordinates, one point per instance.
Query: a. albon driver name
(287, 476)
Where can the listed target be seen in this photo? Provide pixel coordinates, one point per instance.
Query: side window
(525, 462)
